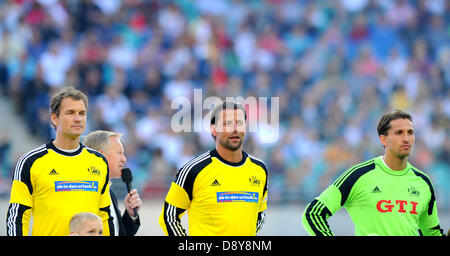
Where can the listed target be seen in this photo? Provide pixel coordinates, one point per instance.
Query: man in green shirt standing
(385, 195)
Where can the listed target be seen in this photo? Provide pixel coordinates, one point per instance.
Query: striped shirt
(52, 185)
(379, 200)
(221, 198)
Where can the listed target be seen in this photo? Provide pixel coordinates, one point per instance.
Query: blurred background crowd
(336, 67)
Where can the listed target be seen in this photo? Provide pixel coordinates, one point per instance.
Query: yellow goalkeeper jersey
(221, 198)
(51, 185)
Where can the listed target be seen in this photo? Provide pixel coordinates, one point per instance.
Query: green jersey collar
(386, 168)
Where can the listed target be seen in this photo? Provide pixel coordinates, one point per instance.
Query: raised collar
(214, 153)
(387, 169)
(52, 146)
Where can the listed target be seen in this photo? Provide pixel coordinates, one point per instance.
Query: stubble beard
(226, 144)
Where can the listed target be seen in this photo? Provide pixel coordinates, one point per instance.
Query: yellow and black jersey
(221, 198)
(52, 185)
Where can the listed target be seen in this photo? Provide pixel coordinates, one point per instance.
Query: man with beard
(385, 195)
(223, 190)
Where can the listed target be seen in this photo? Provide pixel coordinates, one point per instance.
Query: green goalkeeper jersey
(379, 200)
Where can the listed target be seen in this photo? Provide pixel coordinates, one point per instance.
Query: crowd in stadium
(336, 67)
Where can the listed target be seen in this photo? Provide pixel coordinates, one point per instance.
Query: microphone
(127, 177)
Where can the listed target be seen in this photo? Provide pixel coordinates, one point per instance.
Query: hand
(132, 200)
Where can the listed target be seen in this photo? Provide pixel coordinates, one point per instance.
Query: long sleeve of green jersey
(380, 201)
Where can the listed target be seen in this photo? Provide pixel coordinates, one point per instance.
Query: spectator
(327, 61)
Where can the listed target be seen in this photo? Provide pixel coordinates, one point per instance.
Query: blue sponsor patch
(77, 185)
(237, 196)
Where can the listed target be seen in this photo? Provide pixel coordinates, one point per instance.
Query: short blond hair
(78, 219)
(99, 140)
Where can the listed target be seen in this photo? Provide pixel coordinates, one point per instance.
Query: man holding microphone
(109, 144)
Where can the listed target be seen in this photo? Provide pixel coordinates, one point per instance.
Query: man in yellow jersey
(61, 178)
(223, 190)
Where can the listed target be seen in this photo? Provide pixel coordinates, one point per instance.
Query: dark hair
(66, 92)
(228, 104)
(385, 122)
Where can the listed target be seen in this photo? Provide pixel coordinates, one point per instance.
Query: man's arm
(429, 220)
(332, 199)
(180, 194)
(108, 225)
(105, 212)
(21, 201)
(315, 217)
(131, 222)
(262, 207)
(261, 221)
(105, 202)
(18, 220)
(176, 203)
(317, 212)
(170, 220)
(429, 223)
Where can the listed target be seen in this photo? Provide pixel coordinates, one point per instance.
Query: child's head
(85, 224)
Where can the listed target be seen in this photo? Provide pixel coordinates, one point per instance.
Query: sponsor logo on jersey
(93, 171)
(401, 206)
(376, 190)
(77, 185)
(254, 181)
(237, 196)
(215, 183)
(53, 172)
(413, 191)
